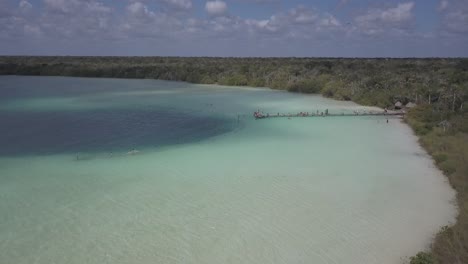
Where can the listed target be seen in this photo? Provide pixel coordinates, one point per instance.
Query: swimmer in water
(133, 152)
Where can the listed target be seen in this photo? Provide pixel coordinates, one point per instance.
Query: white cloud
(330, 21)
(376, 21)
(97, 7)
(72, 18)
(443, 5)
(141, 22)
(216, 8)
(303, 15)
(76, 6)
(457, 21)
(454, 17)
(138, 9)
(64, 6)
(180, 4)
(25, 5)
(398, 14)
(299, 22)
(262, 26)
(32, 30)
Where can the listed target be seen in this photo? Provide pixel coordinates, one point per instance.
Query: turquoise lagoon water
(145, 171)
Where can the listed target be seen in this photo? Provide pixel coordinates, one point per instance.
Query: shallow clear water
(207, 183)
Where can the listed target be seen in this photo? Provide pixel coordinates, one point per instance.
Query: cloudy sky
(325, 28)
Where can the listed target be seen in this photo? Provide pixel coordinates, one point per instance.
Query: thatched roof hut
(410, 105)
(398, 105)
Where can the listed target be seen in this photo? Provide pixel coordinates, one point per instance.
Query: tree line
(379, 82)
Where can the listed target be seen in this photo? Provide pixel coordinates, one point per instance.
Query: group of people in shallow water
(260, 114)
(310, 114)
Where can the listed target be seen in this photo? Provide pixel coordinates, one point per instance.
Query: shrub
(439, 157)
(305, 86)
(422, 258)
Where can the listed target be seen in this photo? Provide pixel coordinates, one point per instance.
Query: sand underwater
(146, 171)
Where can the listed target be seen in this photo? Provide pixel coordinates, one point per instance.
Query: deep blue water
(131, 122)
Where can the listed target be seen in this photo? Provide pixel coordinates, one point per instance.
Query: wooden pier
(259, 115)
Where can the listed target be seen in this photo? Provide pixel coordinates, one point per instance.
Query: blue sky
(315, 28)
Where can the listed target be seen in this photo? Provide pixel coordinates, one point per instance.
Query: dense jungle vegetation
(439, 88)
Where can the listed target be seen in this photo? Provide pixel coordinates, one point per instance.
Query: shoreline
(406, 121)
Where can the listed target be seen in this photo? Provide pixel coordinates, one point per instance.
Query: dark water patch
(20, 87)
(32, 133)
